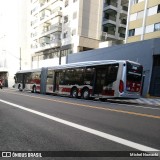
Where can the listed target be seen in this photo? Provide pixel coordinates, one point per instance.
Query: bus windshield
(134, 77)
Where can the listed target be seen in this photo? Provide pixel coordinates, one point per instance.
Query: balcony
(123, 23)
(121, 35)
(55, 42)
(51, 29)
(43, 46)
(124, 2)
(109, 20)
(108, 35)
(48, 17)
(110, 17)
(57, 13)
(114, 4)
(123, 12)
(56, 28)
(43, 2)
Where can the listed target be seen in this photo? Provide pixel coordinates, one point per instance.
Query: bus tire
(34, 89)
(19, 87)
(74, 92)
(85, 93)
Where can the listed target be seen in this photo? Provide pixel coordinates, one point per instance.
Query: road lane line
(93, 107)
(86, 129)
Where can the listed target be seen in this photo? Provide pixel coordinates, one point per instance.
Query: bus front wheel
(19, 87)
(74, 92)
(86, 93)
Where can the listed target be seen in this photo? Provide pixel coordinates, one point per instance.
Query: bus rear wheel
(19, 87)
(74, 93)
(86, 93)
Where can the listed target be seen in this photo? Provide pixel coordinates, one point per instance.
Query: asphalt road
(34, 122)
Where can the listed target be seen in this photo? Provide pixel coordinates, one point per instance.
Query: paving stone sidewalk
(143, 101)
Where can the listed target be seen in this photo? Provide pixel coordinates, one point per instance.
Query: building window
(149, 28)
(135, 1)
(65, 19)
(131, 32)
(157, 27)
(65, 52)
(65, 35)
(74, 15)
(152, 11)
(140, 15)
(133, 17)
(158, 9)
(66, 3)
(138, 31)
(73, 32)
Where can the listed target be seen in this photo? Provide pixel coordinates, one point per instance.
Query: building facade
(62, 27)
(143, 20)
(114, 20)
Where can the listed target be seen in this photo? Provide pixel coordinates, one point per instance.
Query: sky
(9, 30)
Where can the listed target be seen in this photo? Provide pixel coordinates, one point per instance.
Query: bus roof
(79, 64)
(90, 63)
(29, 71)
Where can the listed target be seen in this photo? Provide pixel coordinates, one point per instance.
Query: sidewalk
(140, 101)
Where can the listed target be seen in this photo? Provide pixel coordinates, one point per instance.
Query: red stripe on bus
(108, 92)
(66, 90)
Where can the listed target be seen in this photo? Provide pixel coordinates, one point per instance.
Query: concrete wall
(141, 52)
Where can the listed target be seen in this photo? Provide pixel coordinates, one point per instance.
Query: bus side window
(111, 73)
(88, 76)
(79, 76)
(69, 77)
(61, 77)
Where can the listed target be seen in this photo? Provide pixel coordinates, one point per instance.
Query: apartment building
(114, 20)
(62, 27)
(143, 20)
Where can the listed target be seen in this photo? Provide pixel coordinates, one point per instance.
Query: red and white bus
(97, 79)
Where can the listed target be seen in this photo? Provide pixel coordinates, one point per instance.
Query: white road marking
(86, 129)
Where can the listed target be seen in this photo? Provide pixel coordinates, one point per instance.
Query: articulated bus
(92, 79)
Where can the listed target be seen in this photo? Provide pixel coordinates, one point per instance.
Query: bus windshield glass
(134, 77)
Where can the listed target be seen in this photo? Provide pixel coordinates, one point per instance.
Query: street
(35, 122)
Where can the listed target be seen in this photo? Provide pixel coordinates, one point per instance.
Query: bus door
(56, 81)
(99, 80)
(24, 81)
